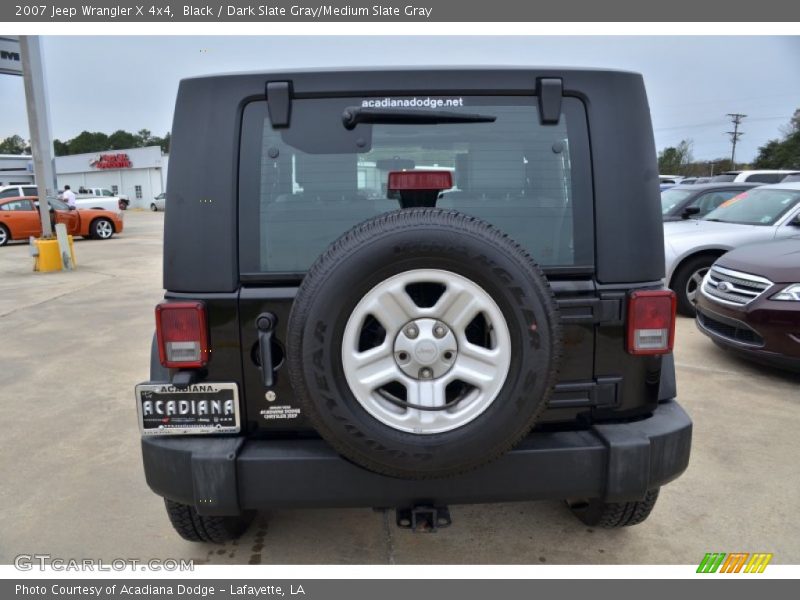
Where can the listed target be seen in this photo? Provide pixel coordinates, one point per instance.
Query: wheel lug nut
(411, 331)
(439, 331)
(425, 373)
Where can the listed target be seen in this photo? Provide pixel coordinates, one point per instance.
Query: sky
(130, 82)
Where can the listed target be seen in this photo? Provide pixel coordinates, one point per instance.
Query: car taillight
(182, 332)
(651, 321)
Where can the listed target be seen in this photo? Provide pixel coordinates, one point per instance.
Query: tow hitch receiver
(423, 519)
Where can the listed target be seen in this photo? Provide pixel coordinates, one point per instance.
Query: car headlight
(790, 292)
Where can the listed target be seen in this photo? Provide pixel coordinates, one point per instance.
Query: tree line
(780, 153)
(91, 141)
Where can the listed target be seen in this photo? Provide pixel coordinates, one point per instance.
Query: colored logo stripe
(758, 563)
(734, 563)
(711, 562)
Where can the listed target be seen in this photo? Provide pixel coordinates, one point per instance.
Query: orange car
(19, 219)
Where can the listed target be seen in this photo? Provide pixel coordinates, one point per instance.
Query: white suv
(756, 176)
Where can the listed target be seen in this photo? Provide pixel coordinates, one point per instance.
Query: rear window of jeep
(303, 186)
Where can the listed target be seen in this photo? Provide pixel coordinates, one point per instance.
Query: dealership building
(139, 173)
(16, 169)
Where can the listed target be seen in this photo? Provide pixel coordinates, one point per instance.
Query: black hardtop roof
(399, 70)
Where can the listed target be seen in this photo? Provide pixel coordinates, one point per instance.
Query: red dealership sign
(111, 161)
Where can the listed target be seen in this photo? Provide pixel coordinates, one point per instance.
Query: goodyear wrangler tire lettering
(423, 343)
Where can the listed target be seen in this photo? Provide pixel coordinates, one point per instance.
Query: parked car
(19, 219)
(667, 181)
(346, 335)
(123, 199)
(159, 202)
(761, 214)
(17, 190)
(757, 176)
(750, 302)
(694, 201)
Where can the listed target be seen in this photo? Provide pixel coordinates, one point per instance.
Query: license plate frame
(191, 422)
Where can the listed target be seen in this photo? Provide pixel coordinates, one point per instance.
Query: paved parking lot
(71, 482)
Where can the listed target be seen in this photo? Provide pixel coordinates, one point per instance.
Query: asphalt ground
(71, 483)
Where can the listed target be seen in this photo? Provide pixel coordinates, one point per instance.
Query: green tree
(165, 141)
(119, 140)
(60, 148)
(674, 160)
(86, 142)
(161, 141)
(14, 144)
(144, 138)
(782, 153)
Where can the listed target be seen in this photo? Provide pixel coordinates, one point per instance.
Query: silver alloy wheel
(3, 236)
(694, 282)
(104, 229)
(425, 353)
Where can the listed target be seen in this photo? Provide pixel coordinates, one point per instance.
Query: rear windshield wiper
(354, 115)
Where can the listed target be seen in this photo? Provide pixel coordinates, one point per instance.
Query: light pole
(39, 125)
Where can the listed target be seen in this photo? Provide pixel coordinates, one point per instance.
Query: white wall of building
(16, 169)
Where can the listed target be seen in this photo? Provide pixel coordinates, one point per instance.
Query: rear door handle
(265, 323)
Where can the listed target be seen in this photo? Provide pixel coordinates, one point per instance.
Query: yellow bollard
(48, 255)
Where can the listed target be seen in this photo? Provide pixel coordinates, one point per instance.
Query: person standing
(68, 196)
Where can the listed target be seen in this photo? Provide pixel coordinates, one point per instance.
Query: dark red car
(750, 302)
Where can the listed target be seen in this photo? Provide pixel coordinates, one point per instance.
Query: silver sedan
(758, 215)
(159, 202)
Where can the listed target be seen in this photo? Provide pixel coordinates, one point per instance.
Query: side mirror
(72, 207)
(690, 211)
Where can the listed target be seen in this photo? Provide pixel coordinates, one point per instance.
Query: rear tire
(611, 515)
(5, 236)
(153, 207)
(687, 280)
(195, 527)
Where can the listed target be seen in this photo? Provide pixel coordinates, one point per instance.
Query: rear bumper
(224, 476)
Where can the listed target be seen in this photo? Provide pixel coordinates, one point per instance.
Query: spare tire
(423, 343)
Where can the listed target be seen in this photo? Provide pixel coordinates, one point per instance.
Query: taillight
(182, 332)
(400, 181)
(651, 321)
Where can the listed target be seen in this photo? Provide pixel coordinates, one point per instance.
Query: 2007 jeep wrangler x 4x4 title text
(409, 289)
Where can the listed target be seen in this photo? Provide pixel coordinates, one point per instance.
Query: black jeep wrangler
(408, 289)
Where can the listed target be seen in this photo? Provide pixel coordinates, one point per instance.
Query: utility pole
(39, 125)
(736, 119)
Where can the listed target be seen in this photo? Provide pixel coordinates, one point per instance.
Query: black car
(408, 289)
(697, 200)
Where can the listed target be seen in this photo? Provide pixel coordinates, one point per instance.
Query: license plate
(199, 408)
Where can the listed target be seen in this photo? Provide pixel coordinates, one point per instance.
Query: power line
(717, 123)
(736, 119)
